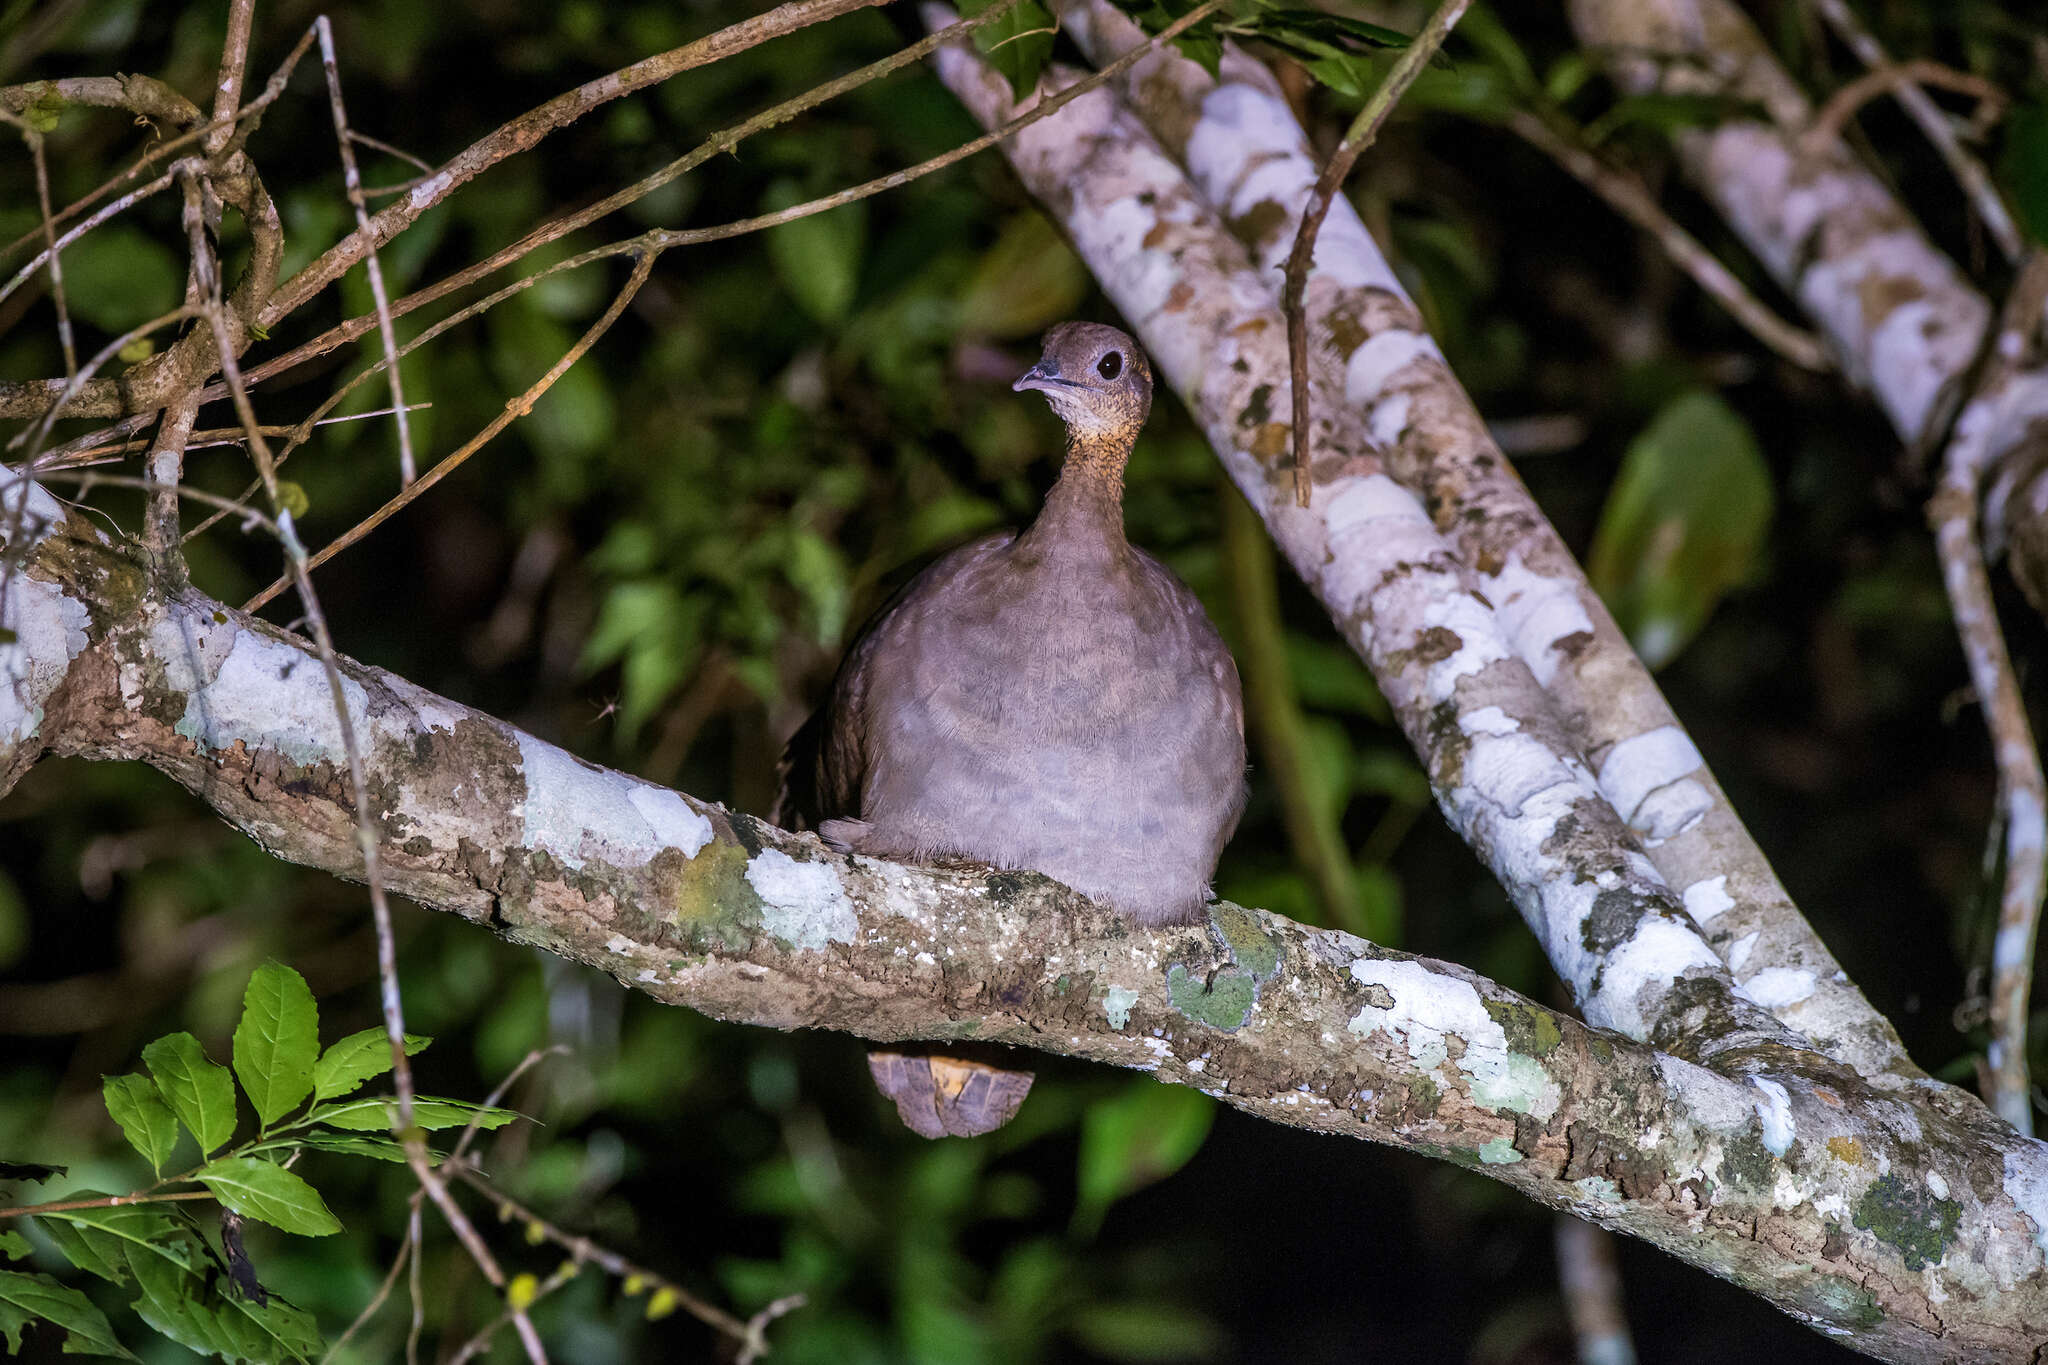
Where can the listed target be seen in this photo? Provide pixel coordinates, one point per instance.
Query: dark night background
(658, 566)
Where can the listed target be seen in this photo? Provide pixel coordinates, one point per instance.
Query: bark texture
(1907, 1222)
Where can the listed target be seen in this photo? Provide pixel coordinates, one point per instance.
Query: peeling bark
(1908, 1223)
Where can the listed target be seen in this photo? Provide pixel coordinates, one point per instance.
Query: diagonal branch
(1370, 353)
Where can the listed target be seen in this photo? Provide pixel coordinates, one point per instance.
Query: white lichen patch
(1670, 811)
(49, 626)
(1599, 1187)
(1642, 764)
(1708, 898)
(1713, 1101)
(243, 686)
(1488, 720)
(1537, 612)
(1374, 365)
(2026, 1184)
(1775, 1110)
(579, 813)
(803, 904)
(1427, 1009)
(1116, 1005)
(1739, 951)
(1777, 988)
(1646, 963)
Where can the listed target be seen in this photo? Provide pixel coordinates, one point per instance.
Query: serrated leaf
(270, 1194)
(13, 1246)
(277, 1041)
(1142, 1135)
(26, 1298)
(200, 1092)
(379, 1113)
(356, 1059)
(1683, 524)
(383, 1149)
(205, 1316)
(146, 1121)
(101, 1241)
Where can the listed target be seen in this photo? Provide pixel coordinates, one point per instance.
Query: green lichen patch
(1499, 1152)
(1423, 1097)
(1251, 947)
(1747, 1164)
(1222, 1000)
(1843, 1302)
(1116, 1005)
(713, 904)
(1906, 1216)
(1531, 1031)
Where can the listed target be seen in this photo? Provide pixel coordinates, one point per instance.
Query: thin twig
(1359, 136)
(1630, 198)
(227, 84)
(2022, 791)
(208, 439)
(273, 88)
(114, 1201)
(481, 1342)
(49, 252)
(1935, 125)
(35, 151)
(376, 1302)
(520, 134)
(583, 1249)
(514, 409)
(352, 184)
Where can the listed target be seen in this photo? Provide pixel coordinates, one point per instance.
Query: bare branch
(1364, 129)
(1954, 513)
(352, 183)
(1935, 125)
(1629, 197)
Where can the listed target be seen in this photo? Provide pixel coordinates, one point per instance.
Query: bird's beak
(1037, 378)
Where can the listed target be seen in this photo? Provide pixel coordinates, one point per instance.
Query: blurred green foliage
(658, 566)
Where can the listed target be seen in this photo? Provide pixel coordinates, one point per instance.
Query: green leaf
(14, 1246)
(379, 1113)
(1683, 523)
(1144, 1134)
(277, 1041)
(118, 277)
(146, 1121)
(200, 1093)
(381, 1148)
(1017, 44)
(101, 1241)
(2023, 166)
(818, 257)
(358, 1058)
(38, 1298)
(206, 1316)
(256, 1189)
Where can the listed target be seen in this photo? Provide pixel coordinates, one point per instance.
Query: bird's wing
(825, 764)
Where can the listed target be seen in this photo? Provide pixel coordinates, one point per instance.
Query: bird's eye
(1111, 365)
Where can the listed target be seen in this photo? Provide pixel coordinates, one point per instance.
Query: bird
(1054, 699)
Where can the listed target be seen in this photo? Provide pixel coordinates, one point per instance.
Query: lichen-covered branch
(1499, 761)
(1248, 158)
(1909, 1224)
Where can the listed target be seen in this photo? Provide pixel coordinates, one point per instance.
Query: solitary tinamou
(1055, 700)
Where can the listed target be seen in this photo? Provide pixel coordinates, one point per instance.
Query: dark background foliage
(658, 566)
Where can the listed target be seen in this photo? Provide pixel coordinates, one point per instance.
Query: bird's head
(1096, 379)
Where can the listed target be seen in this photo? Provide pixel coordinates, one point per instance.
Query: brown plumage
(1055, 700)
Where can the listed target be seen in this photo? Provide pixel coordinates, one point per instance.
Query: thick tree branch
(1498, 759)
(1248, 157)
(1908, 1224)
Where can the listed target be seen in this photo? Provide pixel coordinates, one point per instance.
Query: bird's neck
(1085, 509)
